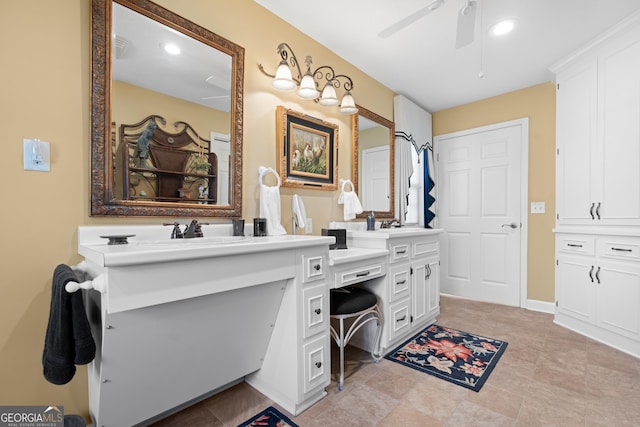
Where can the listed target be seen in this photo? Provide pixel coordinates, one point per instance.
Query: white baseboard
(543, 306)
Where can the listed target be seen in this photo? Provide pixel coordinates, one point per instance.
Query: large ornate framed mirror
(372, 164)
(166, 128)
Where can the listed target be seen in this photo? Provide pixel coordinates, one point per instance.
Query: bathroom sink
(198, 241)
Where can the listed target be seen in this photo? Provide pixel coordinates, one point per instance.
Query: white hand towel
(298, 211)
(350, 200)
(270, 204)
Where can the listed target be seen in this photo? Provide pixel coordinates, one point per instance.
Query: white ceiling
(199, 74)
(421, 61)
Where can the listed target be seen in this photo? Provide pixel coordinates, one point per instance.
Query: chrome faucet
(388, 224)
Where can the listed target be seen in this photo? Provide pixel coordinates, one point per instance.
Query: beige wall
(538, 104)
(44, 93)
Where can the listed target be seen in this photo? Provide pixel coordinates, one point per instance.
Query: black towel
(68, 340)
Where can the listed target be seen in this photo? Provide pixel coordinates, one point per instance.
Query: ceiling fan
(466, 21)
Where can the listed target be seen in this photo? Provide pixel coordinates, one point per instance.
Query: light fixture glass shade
(308, 87)
(329, 97)
(283, 79)
(348, 105)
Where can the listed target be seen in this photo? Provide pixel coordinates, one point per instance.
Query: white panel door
(375, 183)
(479, 199)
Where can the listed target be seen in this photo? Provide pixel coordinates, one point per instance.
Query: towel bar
(98, 283)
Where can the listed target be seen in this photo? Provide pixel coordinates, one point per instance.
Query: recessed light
(171, 49)
(502, 27)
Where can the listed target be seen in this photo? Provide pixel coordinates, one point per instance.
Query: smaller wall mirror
(372, 165)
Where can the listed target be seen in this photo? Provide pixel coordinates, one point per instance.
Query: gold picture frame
(307, 151)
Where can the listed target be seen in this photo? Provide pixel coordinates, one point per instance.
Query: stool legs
(342, 339)
(342, 345)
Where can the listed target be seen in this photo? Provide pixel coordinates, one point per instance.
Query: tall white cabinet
(598, 189)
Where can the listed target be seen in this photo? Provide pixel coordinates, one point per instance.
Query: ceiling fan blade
(466, 24)
(389, 31)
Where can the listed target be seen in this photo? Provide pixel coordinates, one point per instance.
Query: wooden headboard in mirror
(201, 93)
(372, 162)
(179, 166)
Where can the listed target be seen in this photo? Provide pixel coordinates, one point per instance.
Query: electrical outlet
(537, 207)
(308, 229)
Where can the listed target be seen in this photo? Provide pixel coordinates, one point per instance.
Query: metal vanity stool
(350, 302)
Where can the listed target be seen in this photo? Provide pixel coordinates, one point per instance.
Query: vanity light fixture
(309, 83)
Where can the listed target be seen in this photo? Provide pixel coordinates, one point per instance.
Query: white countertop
(389, 233)
(343, 256)
(146, 247)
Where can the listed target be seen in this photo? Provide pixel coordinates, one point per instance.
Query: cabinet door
(419, 291)
(433, 288)
(618, 188)
(576, 131)
(618, 296)
(576, 286)
(425, 290)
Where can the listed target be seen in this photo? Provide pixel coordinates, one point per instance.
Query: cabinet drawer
(575, 244)
(399, 252)
(619, 247)
(423, 247)
(399, 319)
(316, 364)
(314, 267)
(359, 274)
(399, 282)
(315, 310)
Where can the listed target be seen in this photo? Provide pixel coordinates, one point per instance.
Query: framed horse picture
(307, 151)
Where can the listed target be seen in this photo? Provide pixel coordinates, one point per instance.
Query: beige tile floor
(548, 376)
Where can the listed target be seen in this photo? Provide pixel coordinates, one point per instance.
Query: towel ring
(344, 182)
(262, 170)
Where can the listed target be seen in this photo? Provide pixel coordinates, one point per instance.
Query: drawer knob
(621, 250)
(402, 318)
(366, 273)
(318, 364)
(318, 311)
(316, 267)
(573, 245)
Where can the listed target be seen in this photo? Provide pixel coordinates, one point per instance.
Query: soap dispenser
(371, 222)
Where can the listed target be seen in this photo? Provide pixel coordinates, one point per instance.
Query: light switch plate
(537, 207)
(308, 226)
(36, 155)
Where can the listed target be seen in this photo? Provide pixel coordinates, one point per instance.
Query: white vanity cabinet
(410, 294)
(297, 364)
(598, 132)
(598, 287)
(185, 319)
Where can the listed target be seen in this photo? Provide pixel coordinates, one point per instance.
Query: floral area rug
(269, 417)
(459, 357)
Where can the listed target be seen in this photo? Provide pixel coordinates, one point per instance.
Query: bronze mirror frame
(103, 200)
(356, 157)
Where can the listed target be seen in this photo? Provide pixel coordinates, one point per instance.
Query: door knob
(512, 225)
